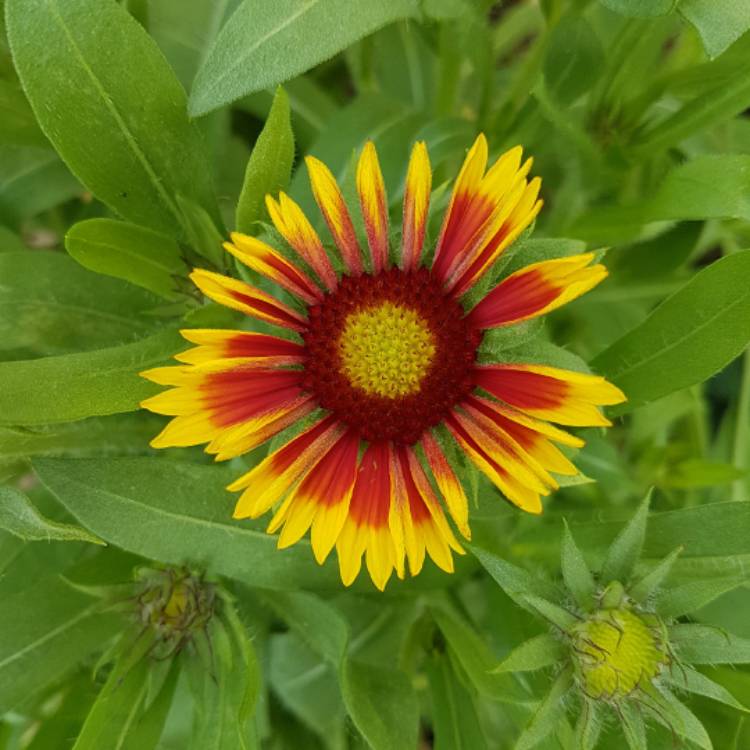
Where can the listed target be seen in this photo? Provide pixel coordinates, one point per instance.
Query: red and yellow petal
(321, 499)
(367, 529)
(211, 399)
(216, 344)
(247, 299)
(536, 290)
(374, 205)
(562, 396)
(294, 227)
(416, 206)
(266, 484)
(448, 484)
(266, 261)
(334, 210)
(425, 529)
(495, 459)
(467, 211)
(506, 229)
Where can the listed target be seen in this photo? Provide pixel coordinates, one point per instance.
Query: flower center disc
(390, 354)
(386, 350)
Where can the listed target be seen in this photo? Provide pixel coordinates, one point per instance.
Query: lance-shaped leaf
(538, 652)
(683, 677)
(263, 44)
(626, 548)
(550, 711)
(561, 618)
(576, 574)
(589, 725)
(703, 644)
(127, 251)
(270, 165)
(651, 581)
(633, 726)
(110, 104)
(677, 717)
(455, 722)
(691, 596)
(19, 516)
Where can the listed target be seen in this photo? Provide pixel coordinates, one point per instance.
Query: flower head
(379, 357)
(617, 646)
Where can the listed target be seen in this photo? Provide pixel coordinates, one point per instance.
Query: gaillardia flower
(381, 355)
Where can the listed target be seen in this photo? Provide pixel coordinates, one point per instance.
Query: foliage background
(114, 180)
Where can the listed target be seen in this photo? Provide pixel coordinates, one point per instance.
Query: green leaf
(588, 726)
(33, 180)
(651, 581)
(380, 701)
(546, 717)
(680, 719)
(719, 22)
(692, 335)
(22, 519)
(475, 657)
(558, 616)
(177, 512)
(633, 727)
(75, 386)
(116, 709)
(683, 677)
(576, 574)
(691, 596)
(640, 8)
(270, 166)
(51, 305)
(455, 723)
(45, 632)
(574, 59)
(695, 472)
(726, 96)
(10, 242)
(224, 689)
(127, 251)
(513, 580)
(538, 652)
(261, 46)
(702, 644)
(624, 552)
(112, 107)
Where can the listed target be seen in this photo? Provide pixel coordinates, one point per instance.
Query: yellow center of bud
(386, 350)
(615, 652)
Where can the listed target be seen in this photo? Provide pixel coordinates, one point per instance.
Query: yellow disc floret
(386, 350)
(615, 652)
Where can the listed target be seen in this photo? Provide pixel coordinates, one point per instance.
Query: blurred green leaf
(32, 180)
(696, 472)
(689, 337)
(719, 22)
(270, 166)
(380, 701)
(455, 723)
(574, 59)
(640, 8)
(261, 46)
(111, 106)
(127, 251)
(50, 305)
(76, 386)
(10, 242)
(19, 516)
(44, 633)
